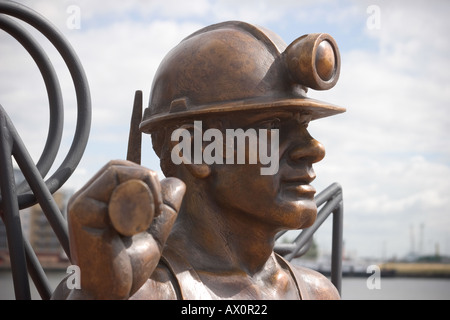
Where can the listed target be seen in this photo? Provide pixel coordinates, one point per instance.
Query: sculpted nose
(312, 151)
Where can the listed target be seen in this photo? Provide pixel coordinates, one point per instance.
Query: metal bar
(81, 90)
(328, 193)
(279, 234)
(286, 248)
(36, 272)
(42, 193)
(135, 137)
(336, 251)
(11, 200)
(53, 92)
(10, 215)
(37, 184)
(76, 70)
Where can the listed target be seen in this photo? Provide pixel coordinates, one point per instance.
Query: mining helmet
(236, 66)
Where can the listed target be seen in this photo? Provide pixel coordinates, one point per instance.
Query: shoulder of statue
(160, 286)
(316, 285)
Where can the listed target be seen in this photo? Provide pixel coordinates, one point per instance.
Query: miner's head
(228, 113)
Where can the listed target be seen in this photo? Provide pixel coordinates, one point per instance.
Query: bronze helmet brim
(318, 109)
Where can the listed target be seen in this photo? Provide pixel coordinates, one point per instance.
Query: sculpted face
(284, 200)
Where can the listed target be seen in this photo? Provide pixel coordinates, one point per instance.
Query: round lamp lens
(325, 60)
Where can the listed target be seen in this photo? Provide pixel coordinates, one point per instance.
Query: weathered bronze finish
(135, 137)
(214, 225)
(130, 217)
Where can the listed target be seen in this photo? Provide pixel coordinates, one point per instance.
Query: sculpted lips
(298, 188)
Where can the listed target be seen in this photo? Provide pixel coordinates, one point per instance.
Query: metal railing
(331, 202)
(34, 189)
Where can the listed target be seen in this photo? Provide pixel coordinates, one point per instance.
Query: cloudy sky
(389, 151)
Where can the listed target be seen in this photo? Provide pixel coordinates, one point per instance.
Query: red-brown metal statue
(231, 92)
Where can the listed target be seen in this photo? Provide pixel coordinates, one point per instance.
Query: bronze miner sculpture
(207, 231)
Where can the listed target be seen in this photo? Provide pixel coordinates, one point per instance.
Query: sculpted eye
(270, 124)
(303, 118)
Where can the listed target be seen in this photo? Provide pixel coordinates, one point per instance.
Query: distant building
(41, 235)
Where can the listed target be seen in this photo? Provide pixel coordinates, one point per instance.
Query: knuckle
(111, 171)
(150, 177)
(88, 212)
(152, 173)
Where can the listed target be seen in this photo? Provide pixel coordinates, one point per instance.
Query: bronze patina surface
(214, 222)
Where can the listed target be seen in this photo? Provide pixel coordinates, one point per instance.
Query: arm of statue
(113, 239)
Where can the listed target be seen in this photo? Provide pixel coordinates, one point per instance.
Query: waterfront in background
(396, 288)
(353, 288)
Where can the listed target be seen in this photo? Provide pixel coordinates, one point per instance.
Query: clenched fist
(118, 224)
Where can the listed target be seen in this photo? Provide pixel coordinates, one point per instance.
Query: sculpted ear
(186, 146)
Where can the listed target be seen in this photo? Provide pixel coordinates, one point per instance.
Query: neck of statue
(220, 239)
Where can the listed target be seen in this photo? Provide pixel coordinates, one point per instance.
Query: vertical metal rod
(11, 218)
(336, 258)
(36, 271)
(135, 137)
